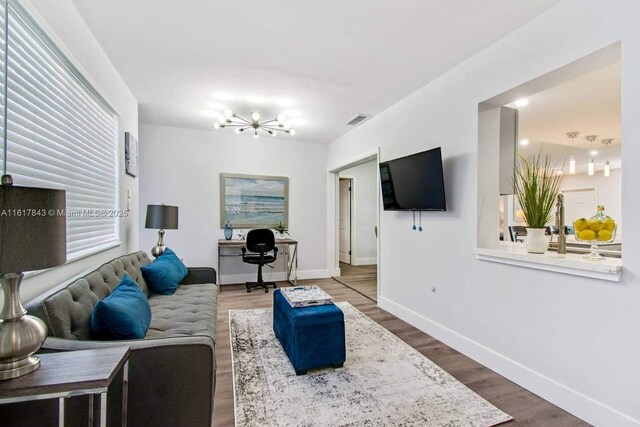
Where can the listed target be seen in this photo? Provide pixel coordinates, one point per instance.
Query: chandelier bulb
(292, 131)
(216, 125)
(281, 118)
(273, 133)
(222, 120)
(255, 116)
(228, 113)
(287, 126)
(255, 134)
(239, 130)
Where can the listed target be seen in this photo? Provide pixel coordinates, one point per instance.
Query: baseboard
(365, 261)
(580, 405)
(313, 274)
(334, 272)
(279, 276)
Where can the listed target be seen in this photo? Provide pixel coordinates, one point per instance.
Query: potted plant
(536, 185)
(281, 230)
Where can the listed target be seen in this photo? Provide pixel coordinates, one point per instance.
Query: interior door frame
(333, 195)
(352, 216)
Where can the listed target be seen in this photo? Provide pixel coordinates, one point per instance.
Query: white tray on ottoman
(306, 296)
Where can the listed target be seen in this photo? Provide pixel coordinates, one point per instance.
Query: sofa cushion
(66, 309)
(191, 311)
(124, 314)
(165, 273)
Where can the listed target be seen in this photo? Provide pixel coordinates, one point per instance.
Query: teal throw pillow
(165, 273)
(123, 315)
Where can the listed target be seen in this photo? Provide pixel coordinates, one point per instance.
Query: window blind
(59, 135)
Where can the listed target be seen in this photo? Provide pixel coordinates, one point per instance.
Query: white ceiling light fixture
(523, 102)
(572, 159)
(271, 127)
(524, 142)
(607, 169)
(591, 166)
(572, 164)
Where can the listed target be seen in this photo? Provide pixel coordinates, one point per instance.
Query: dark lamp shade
(162, 217)
(33, 228)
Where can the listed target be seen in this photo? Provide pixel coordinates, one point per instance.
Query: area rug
(384, 382)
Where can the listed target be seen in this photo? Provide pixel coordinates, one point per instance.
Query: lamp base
(159, 248)
(19, 368)
(20, 335)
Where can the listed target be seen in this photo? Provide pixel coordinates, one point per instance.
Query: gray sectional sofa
(172, 370)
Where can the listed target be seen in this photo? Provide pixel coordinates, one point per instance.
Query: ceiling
(589, 104)
(320, 62)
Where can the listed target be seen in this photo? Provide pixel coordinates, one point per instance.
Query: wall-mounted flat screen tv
(414, 183)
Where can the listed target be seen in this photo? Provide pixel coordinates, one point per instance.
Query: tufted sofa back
(66, 309)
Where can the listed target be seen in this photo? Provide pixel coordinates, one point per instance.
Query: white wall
(182, 167)
(572, 340)
(608, 191)
(63, 23)
(364, 248)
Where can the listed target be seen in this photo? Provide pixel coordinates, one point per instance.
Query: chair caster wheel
(266, 291)
(248, 291)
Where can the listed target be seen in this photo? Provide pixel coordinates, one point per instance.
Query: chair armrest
(199, 275)
(275, 254)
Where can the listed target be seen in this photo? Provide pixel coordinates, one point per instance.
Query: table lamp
(32, 237)
(161, 217)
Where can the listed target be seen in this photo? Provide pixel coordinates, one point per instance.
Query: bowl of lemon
(597, 230)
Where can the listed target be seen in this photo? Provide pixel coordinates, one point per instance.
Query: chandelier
(271, 127)
(591, 166)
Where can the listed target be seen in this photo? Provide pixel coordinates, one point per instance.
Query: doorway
(344, 221)
(357, 228)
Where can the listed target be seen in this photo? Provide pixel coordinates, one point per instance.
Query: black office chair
(260, 242)
(516, 231)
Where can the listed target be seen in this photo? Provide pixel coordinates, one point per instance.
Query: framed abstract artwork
(130, 154)
(253, 201)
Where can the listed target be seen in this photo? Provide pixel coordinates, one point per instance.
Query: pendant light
(607, 169)
(572, 164)
(572, 159)
(592, 165)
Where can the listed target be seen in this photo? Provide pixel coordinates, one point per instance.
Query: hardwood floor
(526, 408)
(361, 278)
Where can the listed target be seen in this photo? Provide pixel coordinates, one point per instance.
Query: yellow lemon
(604, 235)
(609, 224)
(581, 224)
(587, 235)
(595, 225)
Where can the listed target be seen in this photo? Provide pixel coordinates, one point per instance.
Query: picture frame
(130, 154)
(253, 201)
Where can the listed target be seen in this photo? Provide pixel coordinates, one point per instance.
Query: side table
(72, 373)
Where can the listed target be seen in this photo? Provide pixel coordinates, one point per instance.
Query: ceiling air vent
(359, 119)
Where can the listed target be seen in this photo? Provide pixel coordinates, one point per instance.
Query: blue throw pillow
(165, 273)
(123, 315)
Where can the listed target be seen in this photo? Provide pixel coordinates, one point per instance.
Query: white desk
(232, 248)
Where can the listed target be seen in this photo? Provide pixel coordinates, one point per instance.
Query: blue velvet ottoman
(312, 337)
